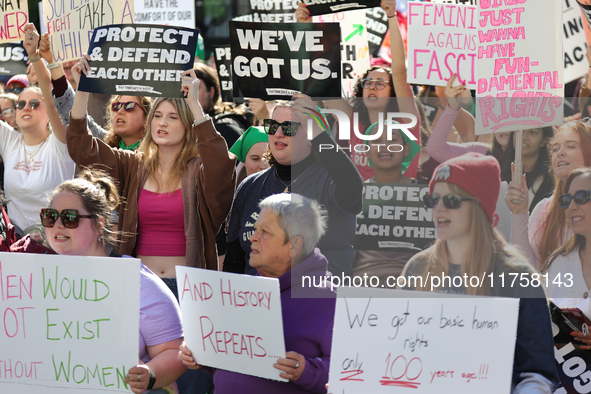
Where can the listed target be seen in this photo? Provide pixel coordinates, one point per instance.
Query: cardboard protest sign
(519, 81)
(14, 14)
(13, 57)
(377, 24)
(70, 24)
(322, 7)
(574, 41)
(65, 327)
(165, 12)
(223, 65)
(430, 345)
(441, 42)
(276, 60)
(232, 322)
(270, 11)
(139, 60)
(394, 218)
(354, 46)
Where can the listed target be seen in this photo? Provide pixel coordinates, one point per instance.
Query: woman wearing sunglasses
(464, 193)
(314, 168)
(375, 91)
(572, 261)
(547, 228)
(77, 223)
(36, 160)
(178, 189)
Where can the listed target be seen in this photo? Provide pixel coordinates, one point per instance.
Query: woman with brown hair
(546, 229)
(178, 188)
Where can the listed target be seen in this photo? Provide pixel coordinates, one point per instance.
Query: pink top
(441, 150)
(161, 224)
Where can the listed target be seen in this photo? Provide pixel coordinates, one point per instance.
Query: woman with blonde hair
(464, 193)
(178, 188)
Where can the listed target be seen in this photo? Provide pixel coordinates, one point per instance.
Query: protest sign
(441, 42)
(232, 322)
(165, 12)
(376, 20)
(519, 81)
(323, 7)
(276, 60)
(394, 218)
(63, 319)
(15, 14)
(139, 60)
(223, 64)
(430, 345)
(13, 57)
(278, 11)
(70, 24)
(574, 41)
(354, 46)
(571, 361)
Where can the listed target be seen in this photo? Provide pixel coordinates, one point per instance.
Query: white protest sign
(464, 2)
(441, 42)
(432, 344)
(165, 12)
(519, 66)
(574, 42)
(70, 24)
(70, 323)
(354, 46)
(14, 14)
(231, 321)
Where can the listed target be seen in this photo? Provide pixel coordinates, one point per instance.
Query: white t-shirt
(28, 186)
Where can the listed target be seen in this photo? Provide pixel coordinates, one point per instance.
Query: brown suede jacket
(207, 187)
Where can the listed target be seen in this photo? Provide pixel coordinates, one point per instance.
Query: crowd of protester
(243, 189)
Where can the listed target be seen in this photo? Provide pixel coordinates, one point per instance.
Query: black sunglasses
(15, 90)
(70, 217)
(20, 104)
(128, 106)
(581, 197)
(451, 201)
(288, 128)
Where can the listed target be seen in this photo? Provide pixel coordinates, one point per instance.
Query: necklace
(31, 156)
(292, 182)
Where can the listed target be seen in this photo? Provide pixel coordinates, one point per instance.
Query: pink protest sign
(519, 66)
(442, 40)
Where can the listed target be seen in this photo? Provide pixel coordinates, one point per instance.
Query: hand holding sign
(186, 357)
(582, 337)
(259, 108)
(305, 113)
(293, 365)
(138, 378)
(303, 14)
(81, 67)
(190, 88)
(517, 196)
(452, 93)
(31, 40)
(390, 7)
(45, 48)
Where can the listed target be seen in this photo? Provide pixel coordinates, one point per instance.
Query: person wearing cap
(464, 193)
(389, 159)
(250, 149)
(17, 83)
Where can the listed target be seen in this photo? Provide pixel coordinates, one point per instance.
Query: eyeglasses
(7, 112)
(20, 104)
(370, 83)
(15, 90)
(128, 106)
(70, 217)
(288, 128)
(581, 197)
(451, 201)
